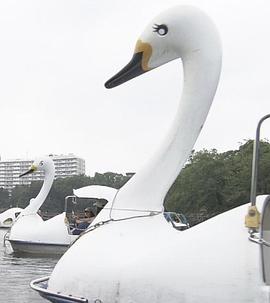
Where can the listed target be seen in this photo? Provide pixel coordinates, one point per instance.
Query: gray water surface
(16, 272)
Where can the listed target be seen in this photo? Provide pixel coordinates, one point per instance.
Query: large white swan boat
(131, 254)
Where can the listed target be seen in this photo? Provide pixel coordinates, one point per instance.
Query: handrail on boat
(40, 285)
(252, 219)
(255, 160)
(258, 240)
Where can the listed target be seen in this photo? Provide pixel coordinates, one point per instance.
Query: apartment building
(65, 166)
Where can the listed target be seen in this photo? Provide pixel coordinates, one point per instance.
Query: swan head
(179, 32)
(44, 164)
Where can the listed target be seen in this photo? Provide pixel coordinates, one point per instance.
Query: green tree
(4, 199)
(212, 183)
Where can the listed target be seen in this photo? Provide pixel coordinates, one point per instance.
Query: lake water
(17, 272)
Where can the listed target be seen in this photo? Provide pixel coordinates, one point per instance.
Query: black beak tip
(26, 173)
(131, 70)
(108, 84)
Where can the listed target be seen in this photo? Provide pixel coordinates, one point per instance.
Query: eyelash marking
(161, 29)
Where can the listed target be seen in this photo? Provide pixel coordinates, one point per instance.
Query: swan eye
(161, 29)
(41, 163)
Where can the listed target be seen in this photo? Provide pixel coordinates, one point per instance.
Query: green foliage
(22, 194)
(212, 183)
(4, 199)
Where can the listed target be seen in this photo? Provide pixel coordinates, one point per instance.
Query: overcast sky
(56, 55)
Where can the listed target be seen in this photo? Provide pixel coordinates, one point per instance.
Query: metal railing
(40, 285)
(73, 199)
(255, 161)
(256, 239)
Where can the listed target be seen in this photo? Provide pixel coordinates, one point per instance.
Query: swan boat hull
(26, 247)
(48, 237)
(215, 257)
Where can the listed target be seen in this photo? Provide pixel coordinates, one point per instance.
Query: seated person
(83, 223)
(100, 205)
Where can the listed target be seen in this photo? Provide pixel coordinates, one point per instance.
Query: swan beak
(137, 66)
(30, 171)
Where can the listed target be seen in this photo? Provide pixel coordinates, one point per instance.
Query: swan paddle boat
(33, 235)
(8, 217)
(132, 254)
(30, 233)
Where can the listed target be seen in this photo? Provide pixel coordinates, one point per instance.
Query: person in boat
(100, 205)
(83, 223)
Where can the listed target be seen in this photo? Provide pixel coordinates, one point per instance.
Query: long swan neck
(150, 185)
(45, 189)
(37, 202)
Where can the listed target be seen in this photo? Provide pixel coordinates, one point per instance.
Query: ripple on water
(16, 272)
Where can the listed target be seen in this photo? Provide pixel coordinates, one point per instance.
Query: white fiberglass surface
(147, 260)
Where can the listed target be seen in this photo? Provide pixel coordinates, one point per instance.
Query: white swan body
(137, 256)
(145, 261)
(30, 233)
(8, 217)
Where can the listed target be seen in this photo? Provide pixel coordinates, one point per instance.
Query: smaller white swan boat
(8, 217)
(31, 234)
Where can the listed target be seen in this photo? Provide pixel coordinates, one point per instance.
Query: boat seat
(80, 228)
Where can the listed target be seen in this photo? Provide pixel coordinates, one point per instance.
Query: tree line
(213, 182)
(210, 183)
